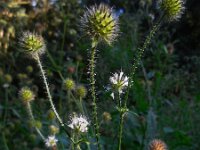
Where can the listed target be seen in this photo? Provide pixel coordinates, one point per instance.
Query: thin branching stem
(93, 93)
(30, 112)
(48, 91)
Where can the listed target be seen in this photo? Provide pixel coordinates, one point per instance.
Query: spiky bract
(32, 43)
(100, 23)
(26, 95)
(173, 9)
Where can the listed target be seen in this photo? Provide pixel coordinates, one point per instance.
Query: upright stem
(93, 93)
(29, 109)
(48, 91)
(140, 54)
(133, 70)
(120, 123)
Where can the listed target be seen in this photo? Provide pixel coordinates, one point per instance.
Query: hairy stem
(137, 60)
(93, 93)
(48, 91)
(29, 109)
(120, 123)
(139, 55)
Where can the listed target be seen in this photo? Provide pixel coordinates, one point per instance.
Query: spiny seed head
(26, 95)
(32, 43)
(173, 9)
(100, 23)
(157, 145)
(69, 84)
(81, 91)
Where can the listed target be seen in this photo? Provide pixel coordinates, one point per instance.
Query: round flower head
(100, 23)
(81, 91)
(79, 123)
(119, 81)
(32, 43)
(26, 95)
(173, 9)
(51, 141)
(157, 145)
(69, 84)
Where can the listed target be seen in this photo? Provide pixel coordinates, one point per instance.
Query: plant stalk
(93, 93)
(48, 91)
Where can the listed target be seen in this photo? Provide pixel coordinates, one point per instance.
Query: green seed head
(26, 95)
(32, 43)
(173, 9)
(81, 91)
(51, 115)
(69, 84)
(100, 23)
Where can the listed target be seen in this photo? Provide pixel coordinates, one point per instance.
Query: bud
(69, 84)
(29, 69)
(106, 116)
(173, 9)
(51, 115)
(32, 43)
(157, 145)
(26, 95)
(81, 91)
(53, 129)
(100, 23)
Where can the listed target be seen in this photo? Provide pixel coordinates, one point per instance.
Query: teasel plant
(27, 96)
(34, 45)
(171, 10)
(101, 25)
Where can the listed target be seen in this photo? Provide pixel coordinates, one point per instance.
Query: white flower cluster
(51, 141)
(119, 82)
(79, 123)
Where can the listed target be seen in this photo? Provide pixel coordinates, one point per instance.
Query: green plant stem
(93, 93)
(120, 123)
(133, 70)
(29, 109)
(139, 56)
(48, 91)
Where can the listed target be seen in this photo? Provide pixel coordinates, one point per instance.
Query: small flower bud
(173, 9)
(32, 43)
(51, 115)
(81, 91)
(26, 95)
(157, 145)
(106, 117)
(69, 84)
(53, 129)
(29, 69)
(100, 23)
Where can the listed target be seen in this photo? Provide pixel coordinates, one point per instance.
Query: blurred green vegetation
(164, 101)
